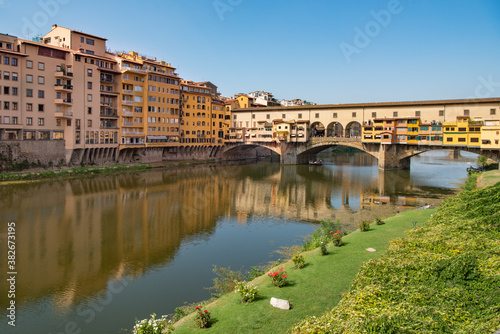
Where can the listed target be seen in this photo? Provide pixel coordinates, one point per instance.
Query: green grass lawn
(313, 290)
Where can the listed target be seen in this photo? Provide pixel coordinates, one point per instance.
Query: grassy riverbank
(313, 290)
(46, 174)
(443, 277)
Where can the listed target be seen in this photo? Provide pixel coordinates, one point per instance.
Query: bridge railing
(319, 140)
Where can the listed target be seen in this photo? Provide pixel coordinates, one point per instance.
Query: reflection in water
(76, 237)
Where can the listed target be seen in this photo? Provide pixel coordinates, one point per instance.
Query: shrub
(364, 226)
(379, 221)
(320, 235)
(248, 292)
(153, 326)
(278, 278)
(336, 238)
(323, 248)
(298, 261)
(202, 318)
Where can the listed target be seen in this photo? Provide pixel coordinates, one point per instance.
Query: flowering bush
(247, 291)
(278, 278)
(202, 317)
(323, 248)
(379, 221)
(336, 238)
(298, 261)
(154, 326)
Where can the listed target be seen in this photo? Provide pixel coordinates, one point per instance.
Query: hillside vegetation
(443, 278)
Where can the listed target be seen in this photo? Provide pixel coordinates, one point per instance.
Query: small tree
(483, 161)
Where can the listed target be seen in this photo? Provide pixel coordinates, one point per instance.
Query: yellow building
(462, 132)
(149, 103)
(196, 114)
(490, 135)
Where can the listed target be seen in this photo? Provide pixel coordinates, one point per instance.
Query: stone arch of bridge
(316, 148)
(317, 129)
(335, 129)
(353, 130)
(236, 149)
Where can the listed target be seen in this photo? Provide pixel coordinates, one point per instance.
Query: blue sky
(326, 51)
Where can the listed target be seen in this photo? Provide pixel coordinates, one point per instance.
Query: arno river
(92, 255)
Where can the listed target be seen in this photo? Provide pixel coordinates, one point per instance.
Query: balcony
(128, 91)
(63, 88)
(107, 79)
(63, 114)
(127, 113)
(64, 75)
(128, 124)
(109, 112)
(110, 92)
(128, 102)
(66, 102)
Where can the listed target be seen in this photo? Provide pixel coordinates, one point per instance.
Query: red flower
(332, 232)
(338, 232)
(284, 276)
(198, 307)
(205, 311)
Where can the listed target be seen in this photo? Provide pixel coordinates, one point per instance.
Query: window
(29, 78)
(449, 139)
(29, 92)
(41, 94)
(29, 120)
(395, 114)
(354, 114)
(89, 41)
(15, 121)
(41, 80)
(316, 115)
(41, 66)
(41, 121)
(462, 129)
(14, 61)
(441, 113)
(6, 120)
(374, 115)
(14, 107)
(6, 105)
(6, 90)
(89, 97)
(82, 40)
(6, 75)
(466, 112)
(417, 113)
(29, 107)
(461, 140)
(58, 122)
(89, 72)
(492, 111)
(268, 116)
(6, 60)
(29, 64)
(472, 140)
(89, 110)
(14, 76)
(89, 123)
(41, 108)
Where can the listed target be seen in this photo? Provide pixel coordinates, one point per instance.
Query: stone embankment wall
(34, 152)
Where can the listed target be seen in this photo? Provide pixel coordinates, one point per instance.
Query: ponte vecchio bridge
(392, 132)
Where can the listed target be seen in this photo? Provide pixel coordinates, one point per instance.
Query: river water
(92, 255)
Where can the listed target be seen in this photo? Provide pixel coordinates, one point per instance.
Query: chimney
(54, 26)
